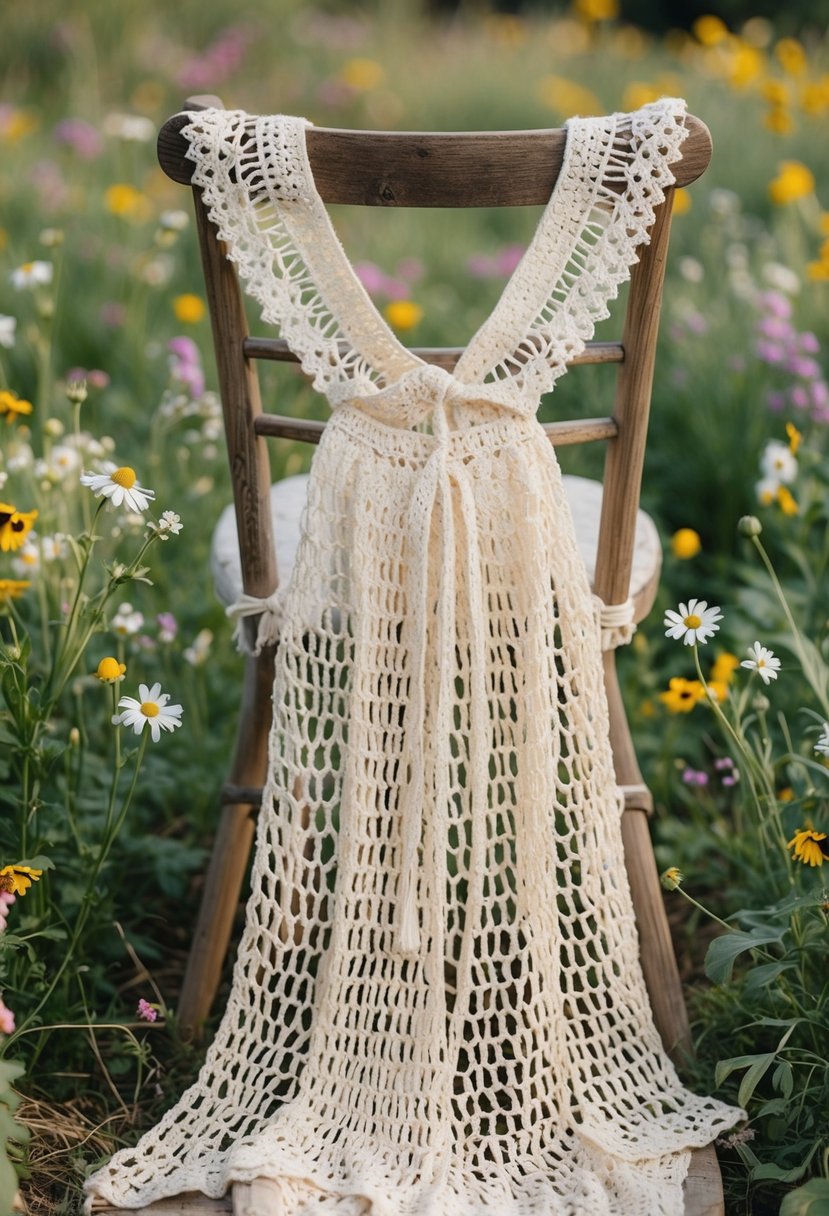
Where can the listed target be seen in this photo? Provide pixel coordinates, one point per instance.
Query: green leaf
(809, 1200)
(783, 1079)
(725, 950)
(757, 1066)
(759, 978)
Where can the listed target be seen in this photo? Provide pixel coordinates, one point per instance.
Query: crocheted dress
(437, 1007)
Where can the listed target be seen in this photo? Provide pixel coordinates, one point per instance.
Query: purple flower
(723, 762)
(693, 776)
(775, 401)
(371, 276)
(146, 1011)
(167, 627)
(507, 259)
(775, 328)
(806, 368)
(185, 365)
(775, 303)
(799, 397)
(770, 352)
(81, 137)
(809, 343)
(480, 266)
(820, 394)
(410, 269)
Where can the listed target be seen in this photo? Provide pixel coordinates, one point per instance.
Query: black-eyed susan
(809, 846)
(120, 485)
(15, 526)
(682, 695)
(724, 666)
(17, 879)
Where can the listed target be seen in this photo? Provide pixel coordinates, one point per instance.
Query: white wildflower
(763, 661)
(695, 622)
(152, 707)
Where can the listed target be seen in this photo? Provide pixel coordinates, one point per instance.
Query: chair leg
(231, 850)
(656, 948)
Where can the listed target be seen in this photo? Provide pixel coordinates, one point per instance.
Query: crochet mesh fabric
(437, 1006)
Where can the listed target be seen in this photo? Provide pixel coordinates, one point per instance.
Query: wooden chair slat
(434, 169)
(276, 350)
(560, 434)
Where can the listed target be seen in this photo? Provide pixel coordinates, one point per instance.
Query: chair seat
(288, 502)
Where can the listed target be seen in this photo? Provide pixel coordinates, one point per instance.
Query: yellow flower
(809, 846)
(12, 589)
(567, 97)
(791, 56)
(793, 181)
(786, 794)
(16, 124)
(189, 309)
(110, 671)
(776, 92)
(814, 96)
(786, 501)
(723, 667)
(126, 202)
(637, 94)
(710, 30)
(682, 201)
(362, 74)
(671, 878)
(794, 437)
(12, 406)
(745, 65)
(596, 10)
(818, 272)
(16, 880)
(685, 543)
(778, 120)
(403, 314)
(682, 695)
(15, 526)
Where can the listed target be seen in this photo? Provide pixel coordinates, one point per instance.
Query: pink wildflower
(694, 776)
(146, 1011)
(6, 1019)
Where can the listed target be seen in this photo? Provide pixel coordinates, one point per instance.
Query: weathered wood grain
(435, 169)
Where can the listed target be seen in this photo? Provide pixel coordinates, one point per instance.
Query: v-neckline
(342, 263)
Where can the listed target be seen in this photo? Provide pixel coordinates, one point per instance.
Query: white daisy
(695, 622)
(822, 745)
(763, 661)
(152, 707)
(8, 326)
(778, 463)
(169, 525)
(119, 485)
(126, 621)
(32, 274)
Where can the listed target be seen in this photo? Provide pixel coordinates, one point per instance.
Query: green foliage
(111, 920)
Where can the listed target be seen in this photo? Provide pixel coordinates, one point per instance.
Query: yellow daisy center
(761, 663)
(149, 709)
(692, 621)
(125, 477)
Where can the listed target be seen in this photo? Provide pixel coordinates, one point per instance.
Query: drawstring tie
(433, 490)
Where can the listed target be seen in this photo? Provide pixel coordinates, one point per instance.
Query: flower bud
(76, 391)
(749, 525)
(672, 878)
(74, 737)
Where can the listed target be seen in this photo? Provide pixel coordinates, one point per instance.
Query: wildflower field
(118, 675)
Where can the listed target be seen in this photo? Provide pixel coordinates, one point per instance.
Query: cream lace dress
(437, 1007)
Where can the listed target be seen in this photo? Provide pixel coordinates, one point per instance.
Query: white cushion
(288, 501)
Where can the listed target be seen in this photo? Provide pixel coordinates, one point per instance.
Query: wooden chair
(421, 170)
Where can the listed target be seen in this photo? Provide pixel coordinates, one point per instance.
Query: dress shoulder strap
(257, 186)
(615, 173)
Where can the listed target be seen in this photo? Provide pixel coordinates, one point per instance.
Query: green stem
(806, 662)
